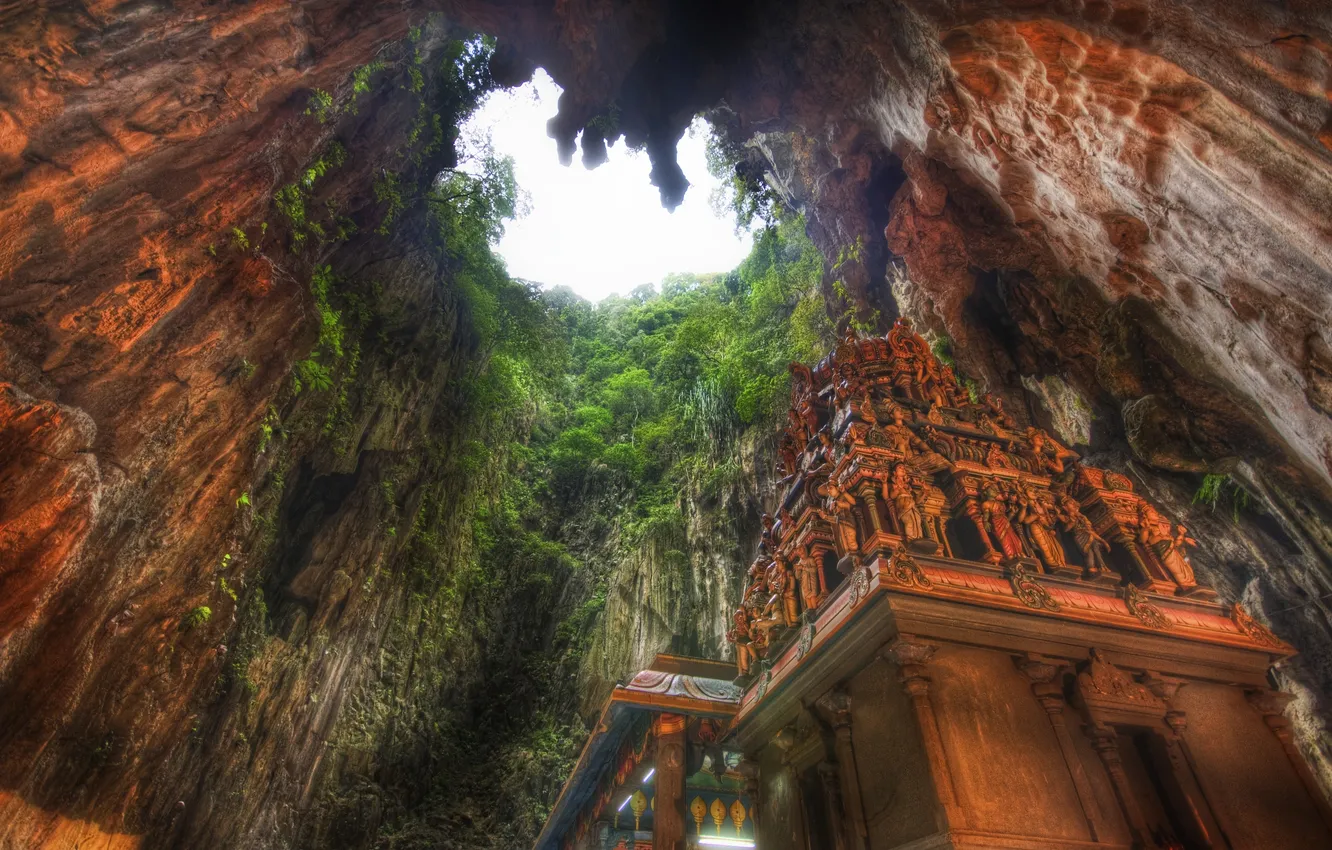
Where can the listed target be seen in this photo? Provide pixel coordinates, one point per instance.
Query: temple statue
(898, 491)
(1035, 514)
(840, 506)
(739, 636)
(1169, 550)
(994, 510)
(1092, 545)
(809, 575)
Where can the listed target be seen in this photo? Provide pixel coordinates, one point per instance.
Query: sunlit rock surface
(1134, 196)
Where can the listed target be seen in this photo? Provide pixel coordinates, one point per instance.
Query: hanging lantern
(738, 815)
(638, 804)
(718, 813)
(699, 810)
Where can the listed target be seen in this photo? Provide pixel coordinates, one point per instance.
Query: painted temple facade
(954, 635)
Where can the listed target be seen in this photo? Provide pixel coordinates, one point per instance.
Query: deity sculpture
(796, 428)
(994, 510)
(867, 413)
(900, 437)
(782, 584)
(995, 405)
(897, 490)
(1049, 456)
(1093, 546)
(1036, 516)
(1170, 551)
(809, 415)
(827, 451)
(840, 506)
(807, 574)
(767, 522)
(790, 455)
(744, 644)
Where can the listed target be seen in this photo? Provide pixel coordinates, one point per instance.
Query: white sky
(601, 231)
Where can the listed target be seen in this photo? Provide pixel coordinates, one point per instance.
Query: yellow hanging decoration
(699, 810)
(718, 813)
(738, 815)
(638, 803)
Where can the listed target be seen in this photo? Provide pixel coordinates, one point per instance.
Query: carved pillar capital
(1043, 673)
(836, 707)
(1163, 687)
(910, 654)
(1270, 704)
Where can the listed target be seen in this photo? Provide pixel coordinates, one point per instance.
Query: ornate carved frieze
(1030, 591)
(1255, 630)
(1150, 615)
(888, 459)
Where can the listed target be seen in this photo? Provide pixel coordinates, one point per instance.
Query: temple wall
(1249, 781)
(1113, 828)
(895, 784)
(780, 826)
(997, 736)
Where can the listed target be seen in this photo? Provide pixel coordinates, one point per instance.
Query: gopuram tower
(954, 635)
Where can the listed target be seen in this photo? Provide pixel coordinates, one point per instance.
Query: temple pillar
(1186, 773)
(668, 824)
(1272, 706)
(911, 656)
(832, 797)
(1106, 743)
(836, 706)
(1044, 685)
(973, 513)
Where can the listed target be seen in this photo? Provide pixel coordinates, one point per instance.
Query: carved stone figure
(782, 584)
(1048, 455)
(995, 405)
(739, 636)
(1175, 556)
(789, 453)
(867, 413)
(1170, 551)
(900, 437)
(840, 506)
(1093, 545)
(1035, 514)
(807, 574)
(994, 510)
(898, 491)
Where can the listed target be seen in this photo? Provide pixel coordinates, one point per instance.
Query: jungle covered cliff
(304, 500)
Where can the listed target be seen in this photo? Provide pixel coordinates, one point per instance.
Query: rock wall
(1131, 195)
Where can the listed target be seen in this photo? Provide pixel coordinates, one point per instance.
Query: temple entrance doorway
(1171, 819)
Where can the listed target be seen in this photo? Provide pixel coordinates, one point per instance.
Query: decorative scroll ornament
(859, 586)
(1151, 616)
(1029, 590)
(1256, 631)
(806, 640)
(1104, 680)
(903, 569)
(765, 679)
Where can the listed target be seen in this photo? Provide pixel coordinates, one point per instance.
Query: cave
(319, 529)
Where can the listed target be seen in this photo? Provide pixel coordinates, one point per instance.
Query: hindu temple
(954, 634)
